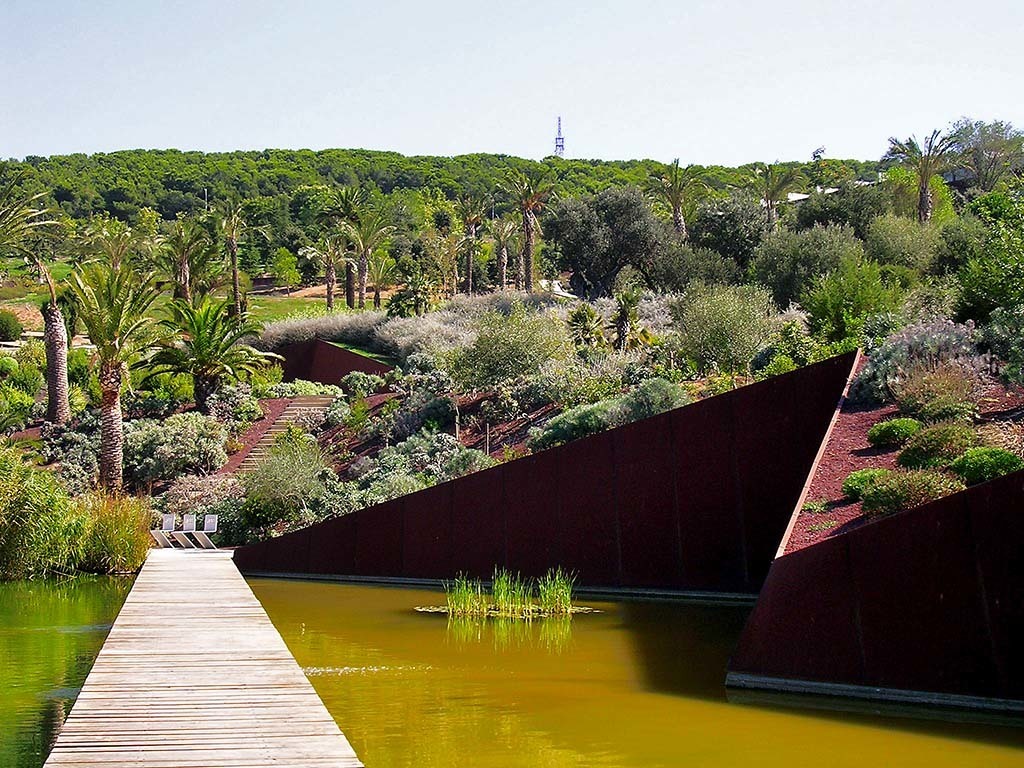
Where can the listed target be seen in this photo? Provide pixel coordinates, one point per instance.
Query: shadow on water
(666, 636)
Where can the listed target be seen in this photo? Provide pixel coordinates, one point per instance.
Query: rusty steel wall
(320, 361)
(696, 499)
(929, 601)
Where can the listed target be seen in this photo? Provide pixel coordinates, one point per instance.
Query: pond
(50, 633)
(639, 684)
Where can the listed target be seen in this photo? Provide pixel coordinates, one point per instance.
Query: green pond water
(50, 633)
(635, 685)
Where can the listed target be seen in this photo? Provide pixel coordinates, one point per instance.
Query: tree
(529, 190)
(342, 207)
(774, 183)
(852, 205)
(678, 188)
(21, 216)
(116, 241)
(233, 227)
(470, 210)
(786, 262)
(733, 227)
(506, 236)
(186, 253)
(206, 342)
(367, 234)
(600, 235)
(382, 269)
(629, 332)
(841, 301)
(586, 327)
(332, 250)
(926, 161)
(112, 304)
(989, 151)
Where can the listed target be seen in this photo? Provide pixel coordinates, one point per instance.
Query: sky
(724, 82)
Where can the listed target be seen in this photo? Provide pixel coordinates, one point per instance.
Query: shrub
(904, 490)
(902, 242)
(575, 423)
(893, 432)
(1004, 335)
(937, 446)
(235, 407)
(948, 391)
(979, 465)
(858, 481)
(195, 494)
(778, 365)
(8, 366)
(355, 328)
(840, 302)
(787, 262)
(337, 413)
(359, 384)
(10, 326)
(508, 348)
(15, 407)
(724, 327)
(652, 397)
(923, 345)
(280, 488)
(79, 366)
(301, 388)
(160, 451)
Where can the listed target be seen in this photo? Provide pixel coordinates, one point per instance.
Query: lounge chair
(160, 535)
(188, 526)
(209, 526)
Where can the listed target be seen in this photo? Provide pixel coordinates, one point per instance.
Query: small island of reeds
(512, 597)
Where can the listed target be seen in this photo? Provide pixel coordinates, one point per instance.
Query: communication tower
(559, 140)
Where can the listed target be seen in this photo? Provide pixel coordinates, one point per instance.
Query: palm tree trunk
(111, 427)
(236, 292)
(331, 279)
(364, 266)
(679, 223)
(185, 281)
(203, 387)
(528, 242)
(924, 201)
(350, 285)
(469, 268)
(55, 336)
(376, 295)
(503, 266)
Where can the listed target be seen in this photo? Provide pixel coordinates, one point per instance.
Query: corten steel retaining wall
(693, 500)
(925, 606)
(317, 360)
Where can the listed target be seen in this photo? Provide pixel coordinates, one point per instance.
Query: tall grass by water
(511, 596)
(43, 531)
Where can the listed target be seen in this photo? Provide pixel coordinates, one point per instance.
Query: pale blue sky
(710, 82)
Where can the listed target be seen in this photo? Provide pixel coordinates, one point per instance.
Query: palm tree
(382, 269)
(344, 206)
(21, 216)
(366, 235)
(586, 327)
(332, 251)
(774, 185)
(116, 241)
(927, 161)
(233, 227)
(506, 234)
(205, 342)
(529, 190)
(185, 251)
(112, 304)
(470, 210)
(629, 332)
(677, 188)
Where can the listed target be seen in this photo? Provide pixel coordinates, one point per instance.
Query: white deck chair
(188, 526)
(209, 526)
(160, 534)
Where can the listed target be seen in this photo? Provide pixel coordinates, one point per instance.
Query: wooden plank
(193, 673)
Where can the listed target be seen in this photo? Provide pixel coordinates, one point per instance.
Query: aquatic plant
(554, 592)
(511, 596)
(465, 598)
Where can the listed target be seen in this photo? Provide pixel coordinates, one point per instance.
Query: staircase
(295, 409)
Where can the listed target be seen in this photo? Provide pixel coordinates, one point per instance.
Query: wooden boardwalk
(193, 674)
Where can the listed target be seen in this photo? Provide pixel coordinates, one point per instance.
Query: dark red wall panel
(928, 600)
(326, 363)
(694, 499)
(478, 522)
(587, 504)
(645, 483)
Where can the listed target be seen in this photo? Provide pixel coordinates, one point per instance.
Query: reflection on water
(635, 685)
(50, 633)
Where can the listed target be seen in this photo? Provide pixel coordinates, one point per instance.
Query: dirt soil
(848, 450)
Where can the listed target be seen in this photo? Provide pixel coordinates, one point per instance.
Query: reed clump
(511, 596)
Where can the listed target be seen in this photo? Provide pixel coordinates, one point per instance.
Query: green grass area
(366, 353)
(267, 309)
